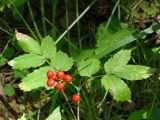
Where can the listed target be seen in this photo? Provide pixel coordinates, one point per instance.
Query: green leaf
(84, 55)
(145, 113)
(55, 115)
(61, 61)
(35, 79)
(134, 72)
(2, 60)
(119, 60)
(127, 39)
(119, 89)
(9, 90)
(48, 47)
(113, 35)
(89, 67)
(26, 61)
(28, 44)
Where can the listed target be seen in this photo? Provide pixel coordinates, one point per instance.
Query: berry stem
(68, 103)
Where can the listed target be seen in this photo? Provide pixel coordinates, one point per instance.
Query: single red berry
(50, 82)
(60, 75)
(76, 98)
(60, 86)
(67, 78)
(50, 74)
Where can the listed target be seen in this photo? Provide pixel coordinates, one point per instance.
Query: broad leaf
(89, 67)
(134, 72)
(84, 55)
(119, 60)
(28, 44)
(61, 61)
(55, 115)
(27, 61)
(48, 47)
(119, 89)
(127, 39)
(145, 114)
(35, 79)
(112, 35)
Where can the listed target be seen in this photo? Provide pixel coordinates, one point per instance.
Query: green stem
(28, 27)
(54, 5)
(78, 25)
(110, 18)
(34, 23)
(80, 16)
(43, 17)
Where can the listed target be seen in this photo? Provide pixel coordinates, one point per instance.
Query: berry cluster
(59, 78)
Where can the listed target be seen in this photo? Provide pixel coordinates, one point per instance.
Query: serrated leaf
(145, 113)
(89, 67)
(119, 60)
(119, 89)
(134, 72)
(35, 79)
(48, 47)
(28, 44)
(26, 61)
(61, 61)
(55, 115)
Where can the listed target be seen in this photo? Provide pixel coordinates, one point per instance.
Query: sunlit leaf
(35, 79)
(119, 60)
(48, 47)
(28, 44)
(61, 61)
(26, 61)
(119, 89)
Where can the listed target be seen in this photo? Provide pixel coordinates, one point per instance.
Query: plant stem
(34, 23)
(80, 16)
(43, 17)
(28, 27)
(68, 103)
(78, 25)
(54, 6)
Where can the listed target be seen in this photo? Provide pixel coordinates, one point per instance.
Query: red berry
(76, 98)
(67, 78)
(60, 74)
(50, 82)
(54, 77)
(60, 86)
(50, 74)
